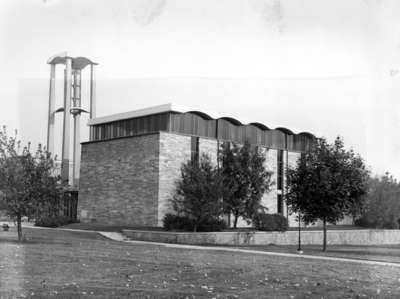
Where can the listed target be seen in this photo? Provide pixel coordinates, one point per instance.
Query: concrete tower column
(66, 123)
(51, 112)
(77, 150)
(92, 92)
(72, 105)
(77, 116)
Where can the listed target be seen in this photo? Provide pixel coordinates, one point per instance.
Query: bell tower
(71, 109)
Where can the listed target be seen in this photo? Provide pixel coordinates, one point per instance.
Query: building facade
(131, 162)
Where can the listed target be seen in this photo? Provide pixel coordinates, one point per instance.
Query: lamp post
(299, 251)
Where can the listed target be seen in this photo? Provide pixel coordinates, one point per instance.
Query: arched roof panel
(309, 135)
(285, 130)
(232, 120)
(260, 126)
(201, 114)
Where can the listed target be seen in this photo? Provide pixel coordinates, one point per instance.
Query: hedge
(54, 221)
(270, 222)
(184, 223)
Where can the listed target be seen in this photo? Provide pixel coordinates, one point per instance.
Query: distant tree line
(382, 203)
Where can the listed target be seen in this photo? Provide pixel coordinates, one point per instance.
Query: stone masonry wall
(130, 181)
(174, 151)
(292, 162)
(269, 200)
(335, 237)
(209, 147)
(119, 181)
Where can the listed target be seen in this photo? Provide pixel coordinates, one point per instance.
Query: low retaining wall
(335, 237)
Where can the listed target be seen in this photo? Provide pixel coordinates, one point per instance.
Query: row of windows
(194, 149)
(280, 170)
(193, 124)
(130, 127)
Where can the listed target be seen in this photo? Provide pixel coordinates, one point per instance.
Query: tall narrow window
(195, 149)
(280, 170)
(279, 204)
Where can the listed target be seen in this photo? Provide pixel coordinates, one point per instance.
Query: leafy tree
(245, 180)
(27, 181)
(382, 203)
(328, 183)
(199, 192)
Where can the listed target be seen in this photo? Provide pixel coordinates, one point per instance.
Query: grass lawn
(63, 264)
(383, 253)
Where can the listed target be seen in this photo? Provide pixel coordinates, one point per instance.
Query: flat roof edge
(136, 113)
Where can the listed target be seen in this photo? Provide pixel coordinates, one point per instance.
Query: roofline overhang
(171, 107)
(78, 63)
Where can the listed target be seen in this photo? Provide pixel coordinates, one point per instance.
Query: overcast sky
(327, 67)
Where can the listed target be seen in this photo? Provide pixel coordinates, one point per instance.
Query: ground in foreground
(63, 264)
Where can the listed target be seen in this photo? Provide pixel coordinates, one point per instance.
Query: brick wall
(130, 181)
(119, 181)
(174, 151)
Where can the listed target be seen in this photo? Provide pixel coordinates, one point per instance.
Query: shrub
(184, 223)
(365, 221)
(176, 222)
(53, 221)
(270, 222)
(212, 225)
(198, 191)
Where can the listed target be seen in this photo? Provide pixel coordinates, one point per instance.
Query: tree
(328, 183)
(382, 203)
(245, 180)
(199, 191)
(27, 181)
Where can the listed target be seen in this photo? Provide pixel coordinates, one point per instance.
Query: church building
(132, 160)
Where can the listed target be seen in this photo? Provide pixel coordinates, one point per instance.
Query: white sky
(327, 67)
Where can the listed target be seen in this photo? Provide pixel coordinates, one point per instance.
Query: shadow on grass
(34, 242)
(366, 252)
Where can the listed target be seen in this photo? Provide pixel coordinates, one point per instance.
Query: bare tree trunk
(19, 227)
(324, 242)
(236, 219)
